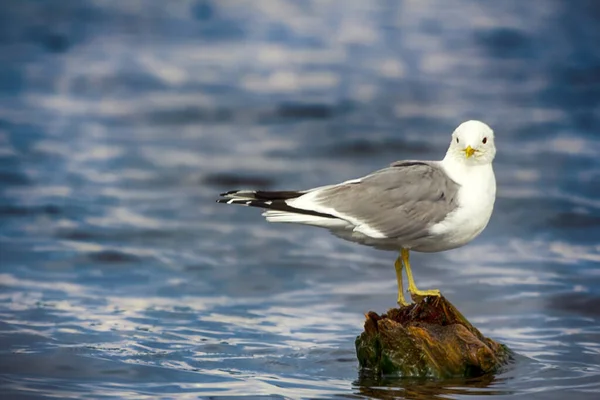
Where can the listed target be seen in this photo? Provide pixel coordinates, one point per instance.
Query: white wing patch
(369, 231)
(308, 202)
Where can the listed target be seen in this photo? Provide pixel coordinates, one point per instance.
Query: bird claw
(401, 301)
(419, 295)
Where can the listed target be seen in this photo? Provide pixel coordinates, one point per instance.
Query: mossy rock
(429, 339)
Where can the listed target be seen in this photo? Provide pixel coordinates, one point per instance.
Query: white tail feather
(284, 216)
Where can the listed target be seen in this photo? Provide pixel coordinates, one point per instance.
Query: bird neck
(461, 172)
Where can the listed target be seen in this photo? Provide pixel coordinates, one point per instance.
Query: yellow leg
(398, 265)
(415, 293)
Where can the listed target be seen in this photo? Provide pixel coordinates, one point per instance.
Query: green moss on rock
(428, 339)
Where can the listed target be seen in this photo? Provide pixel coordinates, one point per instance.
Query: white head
(472, 143)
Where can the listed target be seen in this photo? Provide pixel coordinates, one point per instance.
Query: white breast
(476, 198)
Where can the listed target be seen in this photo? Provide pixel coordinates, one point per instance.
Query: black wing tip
(264, 195)
(229, 193)
(279, 205)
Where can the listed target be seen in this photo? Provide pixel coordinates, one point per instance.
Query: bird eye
(457, 140)
(484, 141)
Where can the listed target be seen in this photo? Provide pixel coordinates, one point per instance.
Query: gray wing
(401, 201)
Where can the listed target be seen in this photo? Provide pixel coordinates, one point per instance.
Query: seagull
(423, 206)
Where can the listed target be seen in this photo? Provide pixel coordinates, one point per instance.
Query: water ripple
(120, 122)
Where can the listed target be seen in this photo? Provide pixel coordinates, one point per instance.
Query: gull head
(472, 144)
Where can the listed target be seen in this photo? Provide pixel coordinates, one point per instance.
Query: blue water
(121, 121)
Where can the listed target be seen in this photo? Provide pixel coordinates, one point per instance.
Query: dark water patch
(52, 42)
(121, 235)
(390, 387)
(9, 178)
(124, 82)
(189, 115)
(305, 111)
(577, 94)
(112, 257)
(203, 10)
(15, 340)
(588, 75)
(541, 211)
(20, 211)
(198, 268)
(193, 114)
(504, 42)
(64, 364)
(575, 220)
(230, 181)
(186, 115)
(56, 42)
(75, 234)
(585, 304)
(369, 148)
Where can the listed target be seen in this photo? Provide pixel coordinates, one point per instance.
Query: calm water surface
(120, 122)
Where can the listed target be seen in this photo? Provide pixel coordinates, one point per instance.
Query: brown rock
(427, 339)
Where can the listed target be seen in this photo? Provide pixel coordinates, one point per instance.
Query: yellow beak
(469, 151)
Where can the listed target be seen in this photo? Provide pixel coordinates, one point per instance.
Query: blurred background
(121, 121)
